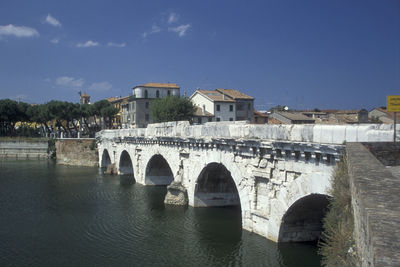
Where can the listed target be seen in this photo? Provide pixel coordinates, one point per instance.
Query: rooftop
(214, 95)
(160, 85)
(260, 114)
(199, 113)
(295, 116)
(235, 94)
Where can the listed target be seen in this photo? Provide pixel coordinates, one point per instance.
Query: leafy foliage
(172, 108)
(18, 118)
(337, 246)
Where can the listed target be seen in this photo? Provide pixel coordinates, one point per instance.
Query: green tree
(108, 113)
(9, 115)
(57, 111)
(39, 114)
(172, 108)
(105, 110)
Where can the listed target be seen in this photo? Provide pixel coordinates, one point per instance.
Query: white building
(156, 90)
(223, 104)
(136, 113)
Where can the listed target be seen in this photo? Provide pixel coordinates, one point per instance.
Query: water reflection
(68, 216)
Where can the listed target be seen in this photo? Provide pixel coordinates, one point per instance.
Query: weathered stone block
(176, 195)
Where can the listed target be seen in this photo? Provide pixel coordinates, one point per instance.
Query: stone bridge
(279, 175)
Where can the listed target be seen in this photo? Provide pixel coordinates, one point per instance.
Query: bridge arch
(105, 159)
(303, 220)
(158, 171)
(215, 187)
(125, 163)
(307, 193)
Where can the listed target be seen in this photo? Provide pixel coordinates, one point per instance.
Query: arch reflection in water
(158, 171)
(303, 220)
(215, 187)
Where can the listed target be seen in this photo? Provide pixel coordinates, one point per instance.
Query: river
(54, 215)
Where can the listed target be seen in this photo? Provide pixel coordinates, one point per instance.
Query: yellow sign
(393, 103)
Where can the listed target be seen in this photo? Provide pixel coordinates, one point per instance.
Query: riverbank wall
(77, 152)
(23, 148)
(375, 192)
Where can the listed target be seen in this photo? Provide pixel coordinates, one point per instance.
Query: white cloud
(70, 82)
(116, 44)
(173, 17)
(101, 86)
(18, 31)
(89, 43)
(52, 21)
(154, 29)
(180, 30)
(55, 41)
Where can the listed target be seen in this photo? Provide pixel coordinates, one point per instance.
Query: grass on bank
(337, 245)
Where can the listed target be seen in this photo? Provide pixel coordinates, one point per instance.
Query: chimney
(223, 96)
(204, 110)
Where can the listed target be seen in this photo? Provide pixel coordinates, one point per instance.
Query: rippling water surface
(52, 215)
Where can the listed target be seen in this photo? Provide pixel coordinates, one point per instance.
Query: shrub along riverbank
(337, 245)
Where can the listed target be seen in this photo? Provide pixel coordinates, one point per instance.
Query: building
(84, 98)
(222, 105)
(201, 116)
(260, 118)
(117, 103)
(286, 117)
(381, 115)
(136, 110)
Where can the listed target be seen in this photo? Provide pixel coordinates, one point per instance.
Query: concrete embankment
(77, 152)
(24, 148)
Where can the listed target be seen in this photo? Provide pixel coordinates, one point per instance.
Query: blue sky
(305, 54)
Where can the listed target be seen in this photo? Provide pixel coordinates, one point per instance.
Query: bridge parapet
(311, 133)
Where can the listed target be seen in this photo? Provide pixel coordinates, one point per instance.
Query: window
(199, 119)
(230, 107)
(218, 119)
(158, 94)
(218, 108)
(146, 94)
(169, 92)
(240, 106)
(147, 117)
(147, 104)
(209, 119)
(230, 119)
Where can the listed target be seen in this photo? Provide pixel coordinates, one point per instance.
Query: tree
(9, 115)
(108, 113)
(172, 108)
(104, 109)
(39, 114)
